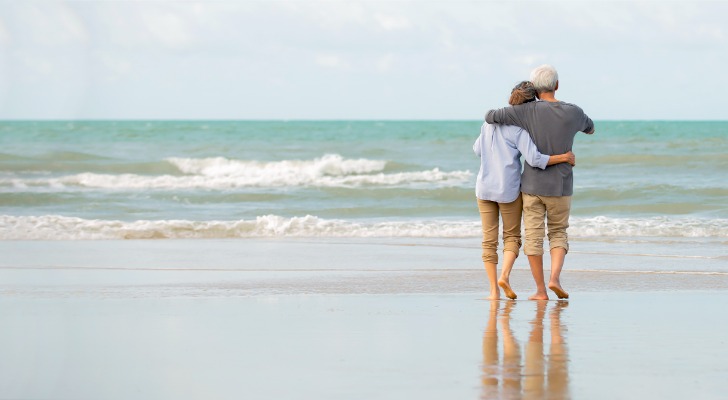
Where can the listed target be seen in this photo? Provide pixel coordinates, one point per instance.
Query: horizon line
(317, 120)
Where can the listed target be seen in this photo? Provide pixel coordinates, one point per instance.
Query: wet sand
(287, 320)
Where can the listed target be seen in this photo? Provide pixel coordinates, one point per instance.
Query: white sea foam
(649, 226)
(328, 165)
(53, 227)
(221, 173)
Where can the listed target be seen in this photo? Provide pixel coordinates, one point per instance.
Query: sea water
(255, 179)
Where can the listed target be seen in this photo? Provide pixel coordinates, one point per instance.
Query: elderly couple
(534, 124)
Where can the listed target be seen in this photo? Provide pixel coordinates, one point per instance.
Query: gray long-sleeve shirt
(552, 126)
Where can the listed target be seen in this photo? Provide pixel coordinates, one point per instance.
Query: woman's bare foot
(539, 296)
(560, 292)
(494, 294)
(503, 283)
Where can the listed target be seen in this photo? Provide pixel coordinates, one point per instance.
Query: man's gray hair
(544, 78)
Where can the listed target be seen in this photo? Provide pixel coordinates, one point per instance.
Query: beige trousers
(511, 215)
(555, 210)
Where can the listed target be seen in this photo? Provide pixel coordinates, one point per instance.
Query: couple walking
(542, 129)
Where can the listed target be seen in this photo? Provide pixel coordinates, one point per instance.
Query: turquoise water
(169, 179)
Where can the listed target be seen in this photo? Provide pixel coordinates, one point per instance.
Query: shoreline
(225, 268)
(589, 254)
(230, 268)
(355, 319)
(91, 283)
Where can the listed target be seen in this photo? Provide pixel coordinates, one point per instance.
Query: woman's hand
(571, 158)
(562, 158)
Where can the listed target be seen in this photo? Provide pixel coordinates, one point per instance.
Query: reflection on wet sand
(535, 375)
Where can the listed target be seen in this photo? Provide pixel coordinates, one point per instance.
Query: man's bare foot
(539, 296)
(556, 288)
(503, 283)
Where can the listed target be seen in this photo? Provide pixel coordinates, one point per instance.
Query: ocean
(79, 180)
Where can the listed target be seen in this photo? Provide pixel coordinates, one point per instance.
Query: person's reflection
(511, 355)
(490, 354)
(539, 377)
(533, 369)
(558, 365)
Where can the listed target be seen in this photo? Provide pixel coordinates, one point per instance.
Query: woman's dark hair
(522, 93)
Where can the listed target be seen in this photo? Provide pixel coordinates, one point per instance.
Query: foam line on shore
(58, 227)
(339, 270)
(604, 253)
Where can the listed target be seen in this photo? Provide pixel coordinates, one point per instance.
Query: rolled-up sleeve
(530, 152)
(490, 116)
(588, 124)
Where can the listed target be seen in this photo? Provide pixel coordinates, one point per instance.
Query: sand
(355, 319)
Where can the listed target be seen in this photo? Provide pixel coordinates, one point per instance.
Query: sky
(287, 60)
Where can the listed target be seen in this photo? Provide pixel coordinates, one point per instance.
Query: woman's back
(500, 148)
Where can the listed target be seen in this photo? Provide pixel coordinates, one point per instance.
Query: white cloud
(169, 28)
(4, 36)
(714, 32)
(44, 24)
(35, 66)
(116, 67)
(471, 52)
(530, 60)
(329, 15)
(71, 25)
(392, 23)
(446, 38)
(384, 63)
(331, 61)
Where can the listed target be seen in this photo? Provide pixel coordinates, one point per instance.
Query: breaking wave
(221, 173)
(649, 226)
(55, 227)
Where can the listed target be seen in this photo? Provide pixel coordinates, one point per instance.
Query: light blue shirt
(500, 148)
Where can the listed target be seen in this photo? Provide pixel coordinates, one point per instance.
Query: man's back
(552, 126)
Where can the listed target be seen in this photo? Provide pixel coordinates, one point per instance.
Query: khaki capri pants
(489, 217)
(540, 212)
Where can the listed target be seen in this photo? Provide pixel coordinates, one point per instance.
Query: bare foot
(494, 295)
(539, 296)
(556, 288)
(503, 283)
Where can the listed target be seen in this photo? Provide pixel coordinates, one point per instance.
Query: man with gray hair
(553, 124)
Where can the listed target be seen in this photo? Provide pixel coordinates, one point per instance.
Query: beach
(327, 319)
(341, 259)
